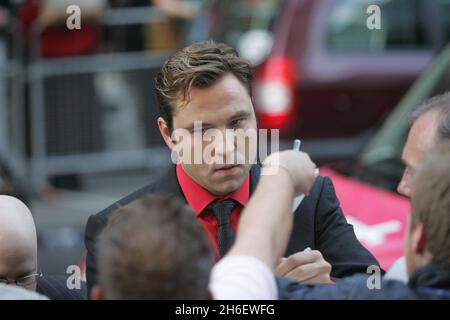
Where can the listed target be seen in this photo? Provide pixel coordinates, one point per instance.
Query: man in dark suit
(210, 84)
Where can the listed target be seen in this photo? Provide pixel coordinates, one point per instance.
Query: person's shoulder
(320, 185)
(8, 292)
(98, 220)
(321, 199)
(322, 191)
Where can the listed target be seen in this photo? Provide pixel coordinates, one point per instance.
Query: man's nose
(225, 146)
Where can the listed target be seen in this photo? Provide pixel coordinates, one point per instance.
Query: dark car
(321, 73)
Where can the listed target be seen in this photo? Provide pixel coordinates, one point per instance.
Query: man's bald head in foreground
(18, 249)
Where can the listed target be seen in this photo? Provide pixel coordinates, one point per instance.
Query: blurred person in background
(56, 40)
(188, 23)
(188, 9)
(72, 108)
(218, 84)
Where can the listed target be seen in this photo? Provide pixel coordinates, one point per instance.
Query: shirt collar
(199, 198)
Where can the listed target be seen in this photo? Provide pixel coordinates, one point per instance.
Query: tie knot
(222, 210)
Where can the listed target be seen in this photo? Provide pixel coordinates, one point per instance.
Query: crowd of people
(228, 231)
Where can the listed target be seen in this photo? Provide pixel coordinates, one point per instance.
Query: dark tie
(225, 235)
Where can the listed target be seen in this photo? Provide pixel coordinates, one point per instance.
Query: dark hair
(431, 202)
(154, 248)
(442, 104)
(198, 65)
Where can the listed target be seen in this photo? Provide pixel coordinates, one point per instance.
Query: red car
(378, 216)
(366, 188)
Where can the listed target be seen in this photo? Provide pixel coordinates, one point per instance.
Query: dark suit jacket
(55, 288)
(318, 224)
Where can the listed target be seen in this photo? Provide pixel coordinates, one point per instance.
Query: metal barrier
(12, 120)
(93, 113)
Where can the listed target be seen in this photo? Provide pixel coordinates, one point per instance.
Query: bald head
(18, 250)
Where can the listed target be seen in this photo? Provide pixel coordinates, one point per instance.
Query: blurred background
(78, 111)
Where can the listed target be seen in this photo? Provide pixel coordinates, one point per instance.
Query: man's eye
(236, 122)
(202, 130)
(408, 171)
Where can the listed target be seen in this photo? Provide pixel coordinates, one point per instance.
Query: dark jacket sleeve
(336, 239)
(351, 288)
(55, 287)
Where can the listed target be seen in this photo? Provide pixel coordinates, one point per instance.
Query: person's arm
(246, 272)
(266, 223)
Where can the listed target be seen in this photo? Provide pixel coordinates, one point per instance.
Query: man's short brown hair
(154, 248)
(441, 103)
(431, 202)
(198, 65)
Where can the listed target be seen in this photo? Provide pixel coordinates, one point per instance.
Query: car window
(401, 26)
(234, 18)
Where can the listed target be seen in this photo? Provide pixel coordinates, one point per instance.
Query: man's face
(421, 138)
(223, 106)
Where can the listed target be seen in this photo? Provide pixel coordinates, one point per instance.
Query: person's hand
(306, 266)
(296, 164)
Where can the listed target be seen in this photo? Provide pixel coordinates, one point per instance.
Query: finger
(282, 259)
(297, 259)
(317, 272)
(322, 278)
(304, 272)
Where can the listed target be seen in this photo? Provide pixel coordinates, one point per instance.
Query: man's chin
(226, 186)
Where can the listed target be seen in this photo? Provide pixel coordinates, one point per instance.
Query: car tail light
(275, 92)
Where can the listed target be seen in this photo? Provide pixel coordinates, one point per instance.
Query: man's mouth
(227, 169)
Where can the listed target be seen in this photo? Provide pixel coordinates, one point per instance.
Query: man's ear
(418, 238)
(96, 293)
(165, 132)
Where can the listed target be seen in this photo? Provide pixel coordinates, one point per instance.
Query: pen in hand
(298, 200)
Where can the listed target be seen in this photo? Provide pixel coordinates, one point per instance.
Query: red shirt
(199, 198)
